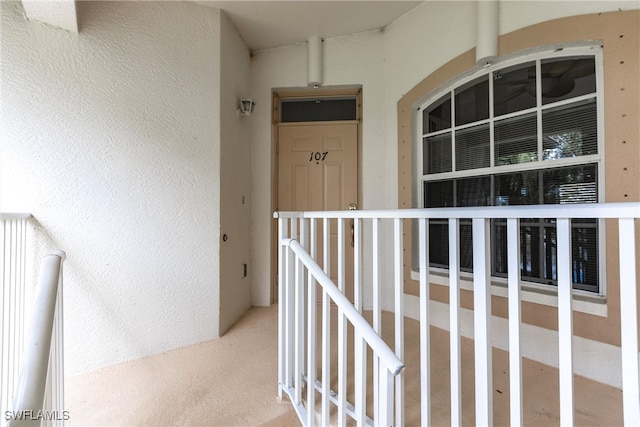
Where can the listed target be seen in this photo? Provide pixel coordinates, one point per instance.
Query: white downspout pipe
(487, 31)
(314, 61)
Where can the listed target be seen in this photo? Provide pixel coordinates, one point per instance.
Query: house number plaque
(318, 156)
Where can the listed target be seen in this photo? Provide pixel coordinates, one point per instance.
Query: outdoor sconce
(246, 106)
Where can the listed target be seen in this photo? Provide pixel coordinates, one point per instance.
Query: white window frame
(532, 291)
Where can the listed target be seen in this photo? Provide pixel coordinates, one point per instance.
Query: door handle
(353, 207)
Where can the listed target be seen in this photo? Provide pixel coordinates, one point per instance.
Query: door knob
(353, 207)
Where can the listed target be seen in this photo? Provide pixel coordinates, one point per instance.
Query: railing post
(282, 251)
(399, 315)
(565, 322)
(326, 326)
(377, 310)
(342, 331)
(454, 323)
(515, 358)
(311, 329)
(425, 370)
(629, 322)
(482, 322)
(360, 348)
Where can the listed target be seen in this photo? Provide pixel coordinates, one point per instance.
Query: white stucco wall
(110, 138)
(235, 177)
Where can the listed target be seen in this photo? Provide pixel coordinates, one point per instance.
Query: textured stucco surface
(235, 178)
(408, 50)
(110, 138)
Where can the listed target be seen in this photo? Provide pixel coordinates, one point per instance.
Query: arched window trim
(596, 160)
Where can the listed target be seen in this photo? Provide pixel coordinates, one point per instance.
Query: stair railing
(31, 361)
(299, 346)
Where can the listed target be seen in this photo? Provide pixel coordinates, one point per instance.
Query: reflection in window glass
(570, 130)
(437, 116)
(519, 188)
(516, 140)
(514, 89)
(472, 101)
(567, 78)
(575, 184)
(472, 148)
(438, 194)
(474, 191)
(437, 154)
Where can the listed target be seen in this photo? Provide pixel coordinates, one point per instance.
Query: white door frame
(278, 95)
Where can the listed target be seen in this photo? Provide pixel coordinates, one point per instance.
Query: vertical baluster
(56, 361)
(13, 347)
(360, 378)
(311, 331)
(282, 233)
(342, 332)
(386, 397)
(377, 310)
(360, 348)
(20, 287)
(515, 359)
(22, 327)
(482, 321)
(629, 322)
(399, 317)
(357, 265)
(565, 322)
(425, 375)
(454, 321)
(299, 316)
(326, 326)
(4, 395)
(290, 307)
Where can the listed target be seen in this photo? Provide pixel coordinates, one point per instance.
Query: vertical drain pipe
(487, 31)
(314, 61)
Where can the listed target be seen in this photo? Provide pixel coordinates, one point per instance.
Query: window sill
(584, 302)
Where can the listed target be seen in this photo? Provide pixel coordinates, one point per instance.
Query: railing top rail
(4, 216)
(587, 210)
(379, 347)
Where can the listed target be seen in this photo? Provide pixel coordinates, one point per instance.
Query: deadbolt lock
(353, 206)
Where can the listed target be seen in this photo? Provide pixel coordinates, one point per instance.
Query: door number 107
(318, 156)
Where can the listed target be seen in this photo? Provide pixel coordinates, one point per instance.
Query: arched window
(527, 131)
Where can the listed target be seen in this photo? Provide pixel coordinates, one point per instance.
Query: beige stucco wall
(618, 32)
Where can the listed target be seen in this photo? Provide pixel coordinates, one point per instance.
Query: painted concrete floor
(233, 382)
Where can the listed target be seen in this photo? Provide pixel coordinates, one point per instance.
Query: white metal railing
(13, 270)
(31, 363)
(298, 346)
(295, 295)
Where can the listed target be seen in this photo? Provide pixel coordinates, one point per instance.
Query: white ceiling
(267, 24)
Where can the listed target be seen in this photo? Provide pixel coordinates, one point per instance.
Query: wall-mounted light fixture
(246, 106)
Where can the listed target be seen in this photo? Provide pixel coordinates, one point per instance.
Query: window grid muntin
(592, 51)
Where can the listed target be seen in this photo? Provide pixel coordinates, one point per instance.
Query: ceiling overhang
(58, 13)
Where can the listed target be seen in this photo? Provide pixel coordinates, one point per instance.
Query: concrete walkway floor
(232, 381)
